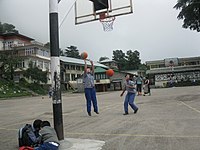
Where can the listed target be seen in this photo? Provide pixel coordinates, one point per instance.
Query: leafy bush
(9, 89)
(37, 88)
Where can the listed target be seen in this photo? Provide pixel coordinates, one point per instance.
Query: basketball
(110, 72)
(84, 55)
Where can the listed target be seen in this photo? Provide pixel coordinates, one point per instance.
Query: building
(72, 70)
(110, 63)
(28, 50)
(161, 72)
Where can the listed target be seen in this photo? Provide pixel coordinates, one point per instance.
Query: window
(40, 64)
(78, 68)
(29, 51)
(154, 66)
(67, 67)
(21, 64)
(46, 66)
(100, 76)
(161, 65)
(46, 53)
(97, 76)
(67, 77)
(78, 75)
(40, 52)
(73, 77)
(72, 67)
(10, 43)
(192, 63)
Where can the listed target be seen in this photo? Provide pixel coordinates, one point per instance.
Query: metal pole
(55, 68)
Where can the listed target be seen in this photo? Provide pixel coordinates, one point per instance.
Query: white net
(107, 23)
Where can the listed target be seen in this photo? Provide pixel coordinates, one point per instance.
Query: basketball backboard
(88, 11)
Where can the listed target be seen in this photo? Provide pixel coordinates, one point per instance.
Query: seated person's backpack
(23, 137)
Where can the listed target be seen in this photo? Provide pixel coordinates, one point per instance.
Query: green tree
(72, 51)
(189, 13)
(133, 60)
(35, 74)
(8, 64)
(119, 57)
(129, 61)
(103, 58)
(5, 28)
(143, 67)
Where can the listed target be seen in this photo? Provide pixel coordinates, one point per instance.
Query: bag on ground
(23, 136)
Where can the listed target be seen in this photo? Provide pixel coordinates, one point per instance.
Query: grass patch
(9, 89)
(36, 88)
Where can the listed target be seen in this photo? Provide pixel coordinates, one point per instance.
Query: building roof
(99, 70)
(15, 34)
(132, 72)
(79, 61)
(180, 59)
(106, 61)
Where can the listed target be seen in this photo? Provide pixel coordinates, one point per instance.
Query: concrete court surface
(167, 120)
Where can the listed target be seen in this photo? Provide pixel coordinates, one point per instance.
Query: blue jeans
(130, 97)
(90, 95)
(47, 146)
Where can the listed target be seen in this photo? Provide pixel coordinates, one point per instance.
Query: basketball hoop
(107, 21)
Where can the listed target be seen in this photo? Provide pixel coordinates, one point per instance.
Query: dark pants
(90, 95)
(139, 88)
(149, 88)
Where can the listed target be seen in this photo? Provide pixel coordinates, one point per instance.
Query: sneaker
(135, 111)
(125, 113)
(96, 112)
(89, 114)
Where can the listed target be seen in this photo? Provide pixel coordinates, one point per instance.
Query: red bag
(26, 148)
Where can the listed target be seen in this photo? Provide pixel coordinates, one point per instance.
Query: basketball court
(167, 120)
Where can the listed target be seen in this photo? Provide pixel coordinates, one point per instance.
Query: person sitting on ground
(29, 134)
(49, 137)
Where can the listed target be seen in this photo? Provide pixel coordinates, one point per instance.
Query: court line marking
(135, 135)
(196, 110)
(9, 129)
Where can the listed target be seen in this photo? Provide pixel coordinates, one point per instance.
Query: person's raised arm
(92, 64)
(85, 67)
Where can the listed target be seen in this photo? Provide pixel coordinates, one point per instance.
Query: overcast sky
(152, 29)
